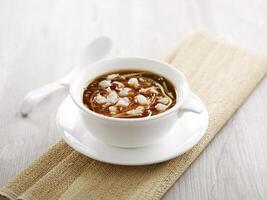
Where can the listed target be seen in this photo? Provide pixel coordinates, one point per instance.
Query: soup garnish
(129, 94)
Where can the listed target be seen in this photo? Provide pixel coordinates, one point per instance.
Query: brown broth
(155, 88)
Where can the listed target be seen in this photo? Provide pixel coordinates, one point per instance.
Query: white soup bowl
(133, 132)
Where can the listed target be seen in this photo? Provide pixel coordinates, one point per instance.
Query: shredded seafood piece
(105, 84)
(142, 100)
(165, 86)
(132, 74)
(161, 107)
(108, 89)
(119, 84)
(100, 99)
(141, 79)
(162, 89)
(112, 109)
(138, 111)
(149, 113)
(112, 76)
(170, 95)
(163, 100)
(152, 89)
(133, 82)
(123, 102)
(112, 97)
(124, 92)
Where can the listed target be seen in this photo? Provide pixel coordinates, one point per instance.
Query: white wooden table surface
(40, 41)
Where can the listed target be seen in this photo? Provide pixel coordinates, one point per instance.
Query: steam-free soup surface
(130, 94)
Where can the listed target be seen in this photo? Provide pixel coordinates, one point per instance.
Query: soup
(130, 94)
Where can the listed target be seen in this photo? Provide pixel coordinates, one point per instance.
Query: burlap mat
(221, 75)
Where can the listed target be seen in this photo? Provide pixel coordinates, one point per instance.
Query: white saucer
(191, 127)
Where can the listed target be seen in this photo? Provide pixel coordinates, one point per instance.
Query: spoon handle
(37, 95)
(96, 50)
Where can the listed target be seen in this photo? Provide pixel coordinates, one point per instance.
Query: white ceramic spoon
(96, 50)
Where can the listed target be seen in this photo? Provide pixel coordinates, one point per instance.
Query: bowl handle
(193, 104)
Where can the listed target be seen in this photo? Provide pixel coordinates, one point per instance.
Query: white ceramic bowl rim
(87, 111)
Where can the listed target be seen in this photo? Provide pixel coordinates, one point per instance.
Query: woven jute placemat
(223, 76)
